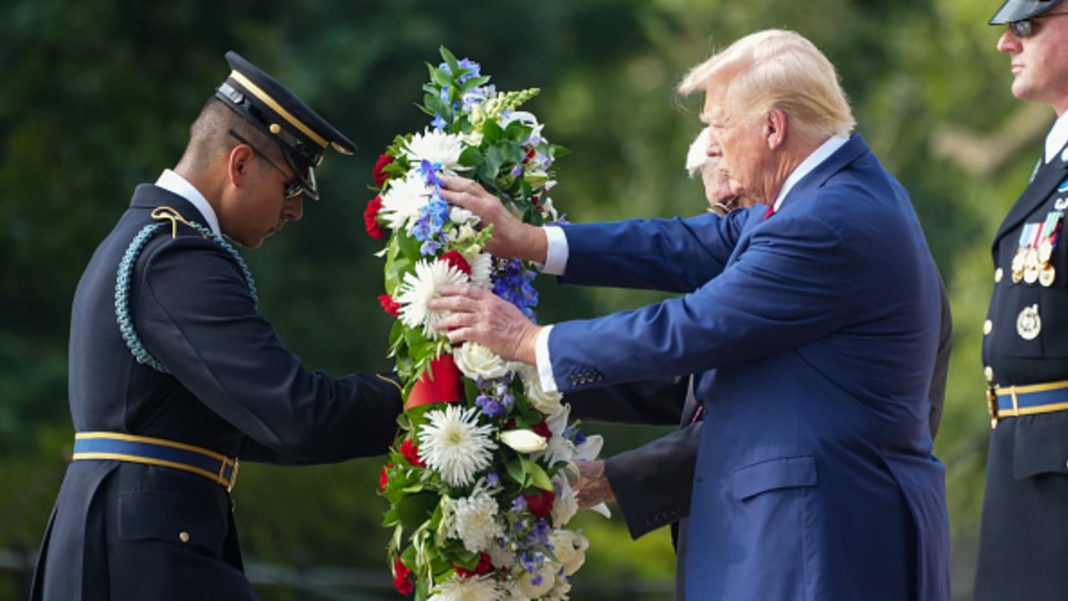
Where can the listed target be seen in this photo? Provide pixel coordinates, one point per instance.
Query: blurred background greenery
(97, 96)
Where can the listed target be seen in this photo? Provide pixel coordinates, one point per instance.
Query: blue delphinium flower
(439, 122)
(513, 284)
(519, 504)
(489, 406)
(472, 69)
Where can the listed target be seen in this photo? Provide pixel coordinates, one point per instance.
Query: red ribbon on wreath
(445, 386)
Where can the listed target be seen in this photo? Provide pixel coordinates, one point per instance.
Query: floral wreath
(479, 477)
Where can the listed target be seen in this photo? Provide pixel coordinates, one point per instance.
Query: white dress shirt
(556, 253)
(1057, 137)
(172, 182)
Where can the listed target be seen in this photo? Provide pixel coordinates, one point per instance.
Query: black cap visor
(1018, 10)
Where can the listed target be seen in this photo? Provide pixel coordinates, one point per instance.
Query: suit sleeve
(653, 483)
(794, 283)
(937, 394)
(195, 314)
(673, 255)
(650, 402)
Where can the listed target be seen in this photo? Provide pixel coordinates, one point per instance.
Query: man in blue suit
(819, 315)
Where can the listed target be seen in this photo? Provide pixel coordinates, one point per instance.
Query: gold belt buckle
(992, 406)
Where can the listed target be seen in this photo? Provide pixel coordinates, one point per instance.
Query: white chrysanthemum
(481, 270)
(403, 199)
(459, 588)
(437, 147)
(473, 521)
(546, 402)
(418, 288)
(478, 362)
(559, 448)
(455, 445)
(565, 504)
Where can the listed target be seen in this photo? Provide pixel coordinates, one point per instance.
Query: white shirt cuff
(556, 251)
(544, 365)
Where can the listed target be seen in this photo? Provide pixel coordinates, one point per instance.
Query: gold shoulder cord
(165, 213)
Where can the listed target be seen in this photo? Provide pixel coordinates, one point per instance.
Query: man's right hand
(511, 237)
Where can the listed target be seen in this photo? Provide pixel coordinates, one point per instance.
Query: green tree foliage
(98, 96)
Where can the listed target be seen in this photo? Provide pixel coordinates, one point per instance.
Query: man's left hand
(483, 317)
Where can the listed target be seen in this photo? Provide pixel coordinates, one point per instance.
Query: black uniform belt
(115, 446)
(1012, 401)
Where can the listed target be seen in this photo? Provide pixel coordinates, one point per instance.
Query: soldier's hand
(592, 485)
(511, 237)
(485, 318)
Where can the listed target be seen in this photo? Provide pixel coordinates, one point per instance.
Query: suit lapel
(1038, 191)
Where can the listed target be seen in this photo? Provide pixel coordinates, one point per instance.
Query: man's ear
(238, 164)
(775, 126)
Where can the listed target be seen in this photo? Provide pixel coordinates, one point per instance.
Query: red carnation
(541, 428)
(540, 503)
(455, 259)
(484, 567)
(383, 477)
(401, 582)
(389, 305)
(370, 219)
(379, 176)
(411, 453)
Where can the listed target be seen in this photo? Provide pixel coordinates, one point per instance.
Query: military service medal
(1029, 323)
(1051, 229)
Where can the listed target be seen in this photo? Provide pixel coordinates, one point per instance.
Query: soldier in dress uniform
(1022, 548)
(174, 374)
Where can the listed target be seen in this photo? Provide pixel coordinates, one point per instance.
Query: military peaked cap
(299, 131)
(1018, 10)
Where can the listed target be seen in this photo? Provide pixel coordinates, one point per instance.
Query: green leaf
(413, 510)
(450, 60)
(538, 476)
(516, 469)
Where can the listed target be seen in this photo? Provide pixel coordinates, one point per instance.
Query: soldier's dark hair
(209, 137)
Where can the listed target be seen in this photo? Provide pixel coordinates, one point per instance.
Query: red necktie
(769, 212)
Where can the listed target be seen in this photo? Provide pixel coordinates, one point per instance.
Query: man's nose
(294, 208)
(1008, 42)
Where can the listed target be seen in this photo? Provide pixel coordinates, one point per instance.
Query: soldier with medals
(174, 374)
(1022, 551)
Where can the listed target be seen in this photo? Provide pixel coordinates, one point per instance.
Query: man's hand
(511, 237)
(592, 485)
(485, 318)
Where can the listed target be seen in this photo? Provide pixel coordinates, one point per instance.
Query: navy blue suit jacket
(814, 478)
(233, 387)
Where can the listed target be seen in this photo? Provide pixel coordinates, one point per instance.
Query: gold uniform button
(989, 373)
(998, 274)
(988, 326)
(183, 536)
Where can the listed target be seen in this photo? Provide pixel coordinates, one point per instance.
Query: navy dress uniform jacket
(821, 325)
(1023, 543)
(124, 530)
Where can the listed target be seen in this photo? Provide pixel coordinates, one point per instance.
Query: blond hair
(778, 69)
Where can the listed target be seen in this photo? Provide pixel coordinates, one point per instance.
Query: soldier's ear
(237, 164)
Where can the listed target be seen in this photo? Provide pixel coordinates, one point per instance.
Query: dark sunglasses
(294, 187)
(1025, 28)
